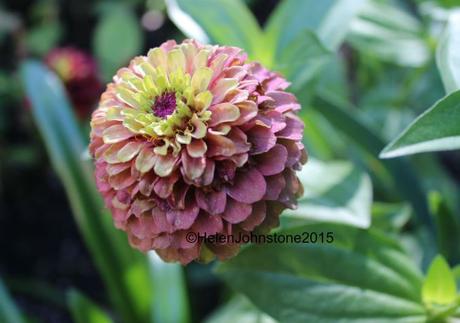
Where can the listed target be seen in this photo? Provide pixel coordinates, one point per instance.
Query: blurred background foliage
(363, 70)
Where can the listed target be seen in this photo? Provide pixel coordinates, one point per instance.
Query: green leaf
(41, 39)
(336, 192)
(226, 22)
(447, 225)
(170, 302)
(439, 286)
(329, 19)
(389, 33)
(239, 309)
(390, 217)
(117, 39)
(361, 276)
(344, 118)
(302, 60)
(9, 313)
(84, 310)
(438, 128)
(447, 54)
(123, 270)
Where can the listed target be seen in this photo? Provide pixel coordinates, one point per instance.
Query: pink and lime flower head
(194, 138)
(78, 72)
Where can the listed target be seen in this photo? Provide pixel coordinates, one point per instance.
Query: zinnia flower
(193, 138)
(78, 72)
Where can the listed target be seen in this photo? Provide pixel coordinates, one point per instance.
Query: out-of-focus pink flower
(193, 138)
(78, 72)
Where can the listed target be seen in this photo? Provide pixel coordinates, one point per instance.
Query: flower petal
(201, 79)
(235, 212)
(164, 165)
(261, 138)
(192, 167)
(273, 161)
(197, 148)
(248, 187)
(116, 133)
(145, 160)
(256, 217)
(129, 151)
(212, 202)
(223, 112)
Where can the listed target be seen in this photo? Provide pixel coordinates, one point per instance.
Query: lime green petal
(201, 79)
(157, 57)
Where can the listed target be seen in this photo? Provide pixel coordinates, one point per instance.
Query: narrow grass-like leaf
(84, 310)
(124, 271)
(437, 129)
(9, 313)
(170, 302)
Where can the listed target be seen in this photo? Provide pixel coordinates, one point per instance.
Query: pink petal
(219, 146)
(261, 138)
(212, 202)
(183, 219)
(192, 167)
(122, 180)
(273, 161)
(293, 130)
(284, 101)
(160, 221)
(223, 112)
(256, 218)
(207, 224)
(248, 187)
(235, 212)
(164, 185)
(197, 148)
(116, 133)
(275, 184)
(248, 110)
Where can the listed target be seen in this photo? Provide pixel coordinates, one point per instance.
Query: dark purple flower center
(164, 105)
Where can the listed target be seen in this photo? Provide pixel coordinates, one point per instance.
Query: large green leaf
(170, 302)
(226, 22)
(403, 178)
(448, 55)
(117, 39)
(389, 33)
(361, 277)
(84, 310)
(239, 309)
(329, 19)
(438, 128)
(390, 217)
(336, 192)
(124, 271)
(302, 59)
(9, 313)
